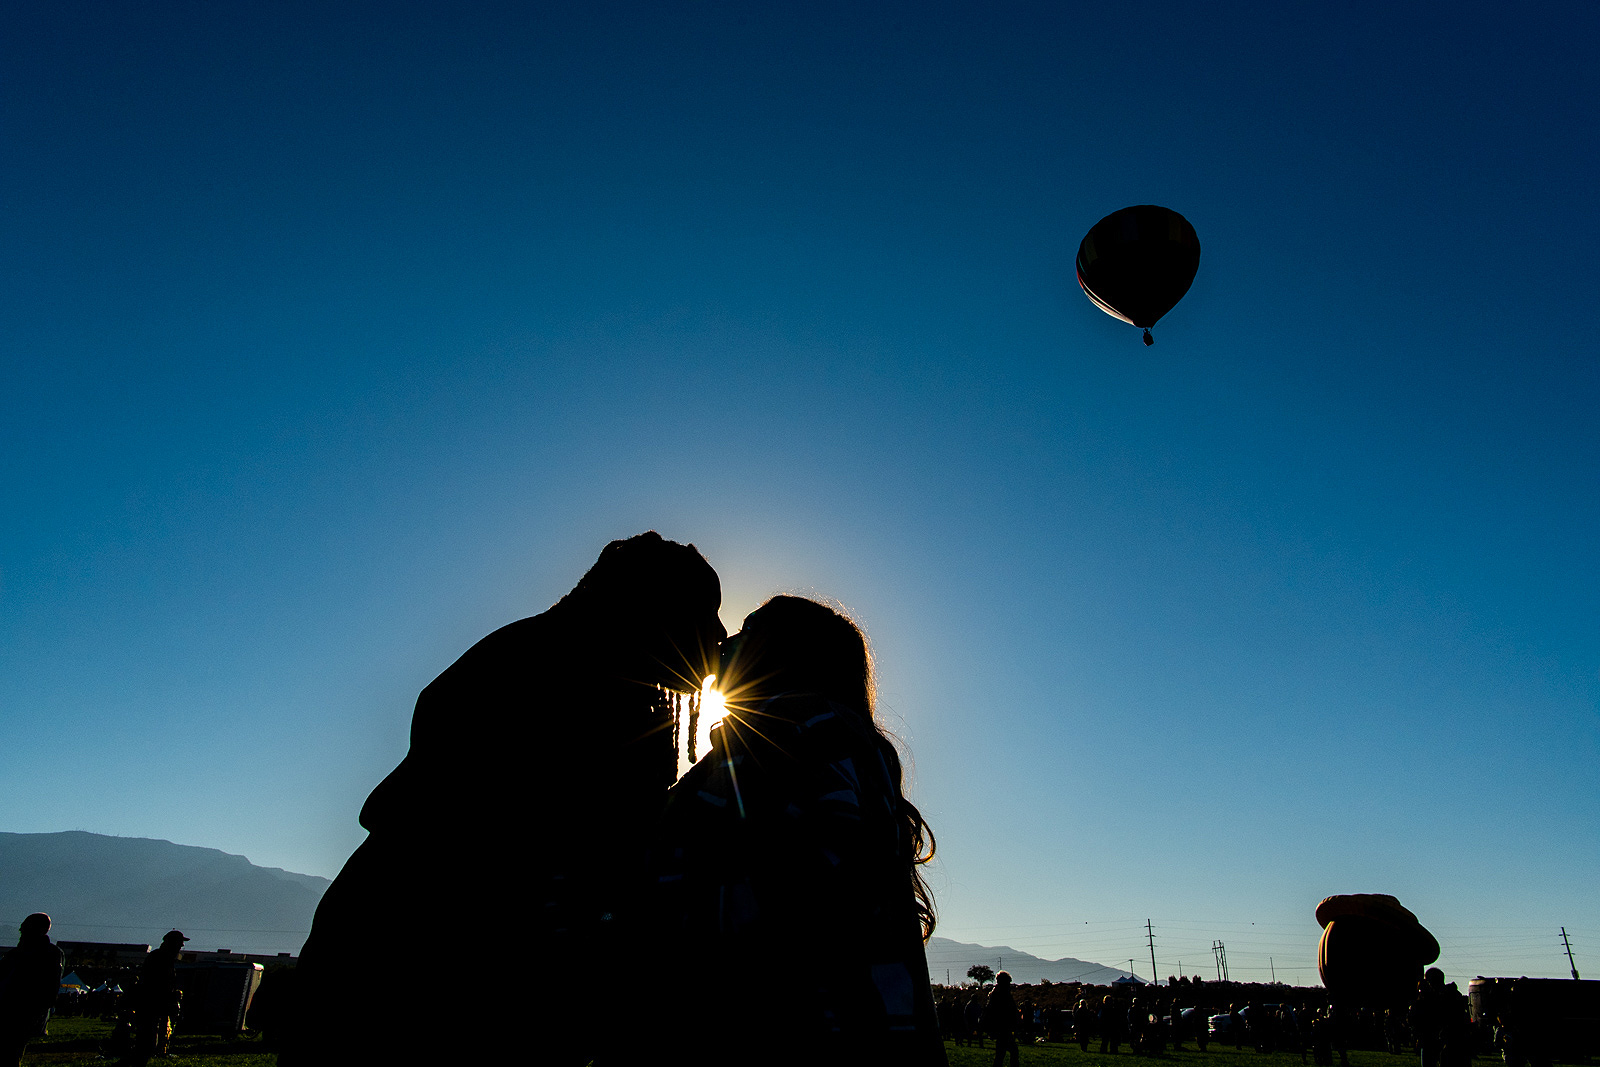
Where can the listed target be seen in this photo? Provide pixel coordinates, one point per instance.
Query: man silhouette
(1001, 1017)
(539, 762)
(30, 977)
(154, 998)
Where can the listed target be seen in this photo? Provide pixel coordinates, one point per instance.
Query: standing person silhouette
(1113, 1024)
(787, 862)
(1000, 1018)
(30, 978)
(154, 997)
(539, 763)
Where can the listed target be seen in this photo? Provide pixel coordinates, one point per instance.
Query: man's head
(660, 598)
(36, 924)
(174, 939)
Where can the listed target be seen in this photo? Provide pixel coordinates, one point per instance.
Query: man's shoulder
(40, 951)
(535, 627)
(512, 646)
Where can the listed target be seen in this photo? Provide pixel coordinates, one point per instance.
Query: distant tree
(1045, 983)
(980, 973)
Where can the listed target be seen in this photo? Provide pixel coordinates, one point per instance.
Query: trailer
(1542, 1020)
(216, 995)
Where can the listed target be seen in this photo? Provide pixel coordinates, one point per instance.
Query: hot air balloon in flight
(1372, 949)
(1136, 264)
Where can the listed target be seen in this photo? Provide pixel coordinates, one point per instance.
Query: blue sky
(334, 339)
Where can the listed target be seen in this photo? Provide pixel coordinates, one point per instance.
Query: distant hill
(956, 956)
(134, 889)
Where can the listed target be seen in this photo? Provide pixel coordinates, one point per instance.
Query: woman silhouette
(787, 861)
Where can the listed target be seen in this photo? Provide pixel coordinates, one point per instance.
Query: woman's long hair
(824, 652)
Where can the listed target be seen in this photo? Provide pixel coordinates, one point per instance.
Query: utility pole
(1567, 943)
(1273, 969)
(1222, 960)
(1155, 976)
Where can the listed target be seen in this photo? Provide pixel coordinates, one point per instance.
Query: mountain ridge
(954, 957)
(134, 889)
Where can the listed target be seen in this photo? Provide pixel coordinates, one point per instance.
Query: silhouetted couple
(534, 885)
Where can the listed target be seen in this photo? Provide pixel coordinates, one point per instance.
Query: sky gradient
(334, 339)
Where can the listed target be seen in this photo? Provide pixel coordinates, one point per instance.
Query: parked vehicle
(1221, 1026)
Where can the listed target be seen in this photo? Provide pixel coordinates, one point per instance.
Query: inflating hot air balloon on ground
(1372, 950)
(1136, 264)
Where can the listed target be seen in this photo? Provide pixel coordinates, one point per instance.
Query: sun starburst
(713, 706)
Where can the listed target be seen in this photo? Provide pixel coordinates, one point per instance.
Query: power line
(166, 925)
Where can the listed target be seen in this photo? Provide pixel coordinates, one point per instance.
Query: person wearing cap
(155, 998)
(30, 977)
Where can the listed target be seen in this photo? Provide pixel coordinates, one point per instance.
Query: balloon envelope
(1136, 264)
(1372, 949)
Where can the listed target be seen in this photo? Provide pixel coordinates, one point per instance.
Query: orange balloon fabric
(1372, 949)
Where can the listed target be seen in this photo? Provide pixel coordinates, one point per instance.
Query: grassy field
(78, 1040)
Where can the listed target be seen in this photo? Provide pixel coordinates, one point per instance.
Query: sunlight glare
(713, 706)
